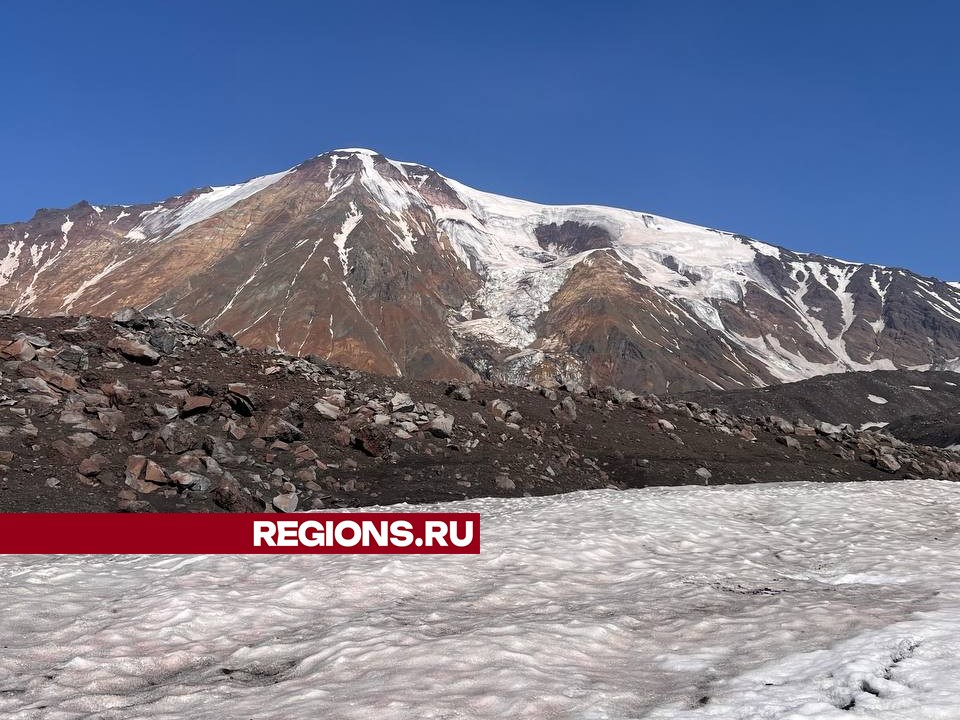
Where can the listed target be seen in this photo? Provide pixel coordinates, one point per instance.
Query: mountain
(145, 414)
(393, 268)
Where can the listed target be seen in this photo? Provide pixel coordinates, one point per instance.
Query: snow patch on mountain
(498, 236)
(11, 261)
(72, 297)
(162, 223)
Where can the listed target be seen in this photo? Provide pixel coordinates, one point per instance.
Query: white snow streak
(71, 298)
(161, 223)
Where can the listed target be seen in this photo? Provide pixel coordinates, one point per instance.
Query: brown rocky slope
(395, 269)
(148, 413)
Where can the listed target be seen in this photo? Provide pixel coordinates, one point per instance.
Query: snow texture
(161, 223)
(785, 601)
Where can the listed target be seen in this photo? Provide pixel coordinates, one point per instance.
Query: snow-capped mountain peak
(394, 267)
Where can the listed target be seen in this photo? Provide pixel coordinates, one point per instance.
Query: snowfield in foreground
(765, 601)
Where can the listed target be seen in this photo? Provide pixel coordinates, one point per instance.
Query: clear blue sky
(823, 126)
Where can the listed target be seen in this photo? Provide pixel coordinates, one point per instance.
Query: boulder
(374, 440)
(19, 350)
(401, 402)
(272, 427)
(196, 404)
(286, 502)
(130, 317)
(135, 350)
(442, 426)
(241, 398)
(458, 392)
(191, 480)
(178, 437)
(887, 463)
(326, 410)
(790, 442)
(133, 475)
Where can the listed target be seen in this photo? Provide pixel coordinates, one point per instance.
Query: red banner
(258, 533)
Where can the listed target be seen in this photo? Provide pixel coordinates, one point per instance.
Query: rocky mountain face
(392, 268)
(148, 413)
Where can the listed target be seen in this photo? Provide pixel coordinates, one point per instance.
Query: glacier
(782, 601)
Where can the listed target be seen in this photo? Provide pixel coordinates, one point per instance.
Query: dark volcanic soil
(845, 397)
(149, 414)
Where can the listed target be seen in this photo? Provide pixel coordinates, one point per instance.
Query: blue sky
(822, 126)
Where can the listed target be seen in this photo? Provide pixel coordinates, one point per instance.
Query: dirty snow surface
(766, 601)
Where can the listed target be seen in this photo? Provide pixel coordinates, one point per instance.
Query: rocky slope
(879, 398)
(147, 414)
(392, 268)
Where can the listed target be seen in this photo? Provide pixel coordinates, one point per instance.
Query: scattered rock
(93, 465)
(328, 411)
(790, 442)
(135, 350)
(286, 502)
(459, 392)
(887, 463)
(401, 402)
(196, 404)
(442, 427)
(374, 440)
(241, 398)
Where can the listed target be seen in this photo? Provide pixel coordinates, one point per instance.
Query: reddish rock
(374, 440)
(133, 477)
(342, 436)
(154, 473)
(196, 404)
(19, 350)
(92, 465)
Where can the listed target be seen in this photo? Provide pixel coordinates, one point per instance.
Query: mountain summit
(391, 267)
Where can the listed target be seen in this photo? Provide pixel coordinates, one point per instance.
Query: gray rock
(442, 426)
(459, 392)
(135, 350)
(887, 463)
(286, 502)
(790, 442)
(328, 411)
(401, 402)
(191, 480)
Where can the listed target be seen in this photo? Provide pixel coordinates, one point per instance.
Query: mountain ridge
(392, 267)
